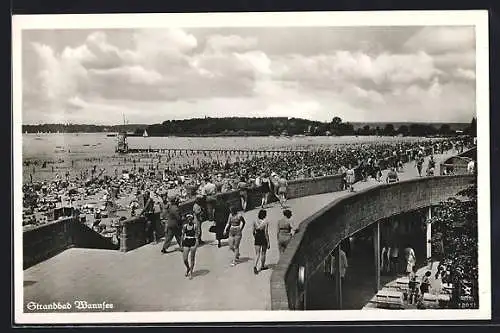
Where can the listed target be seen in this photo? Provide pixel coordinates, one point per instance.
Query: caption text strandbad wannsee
(64, 306)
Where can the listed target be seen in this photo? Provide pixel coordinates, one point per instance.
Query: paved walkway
(392, 285)
(145, 280)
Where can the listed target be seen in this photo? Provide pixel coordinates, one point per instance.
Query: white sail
(145, 134)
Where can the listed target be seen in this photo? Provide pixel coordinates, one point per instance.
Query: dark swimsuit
(189, 236)
(260, 237)
(266, 188)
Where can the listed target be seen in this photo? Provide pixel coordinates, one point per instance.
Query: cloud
(344, 67)
(465, 74)
(135, 75)
(220, 43)
(442, 40)
(59, 76)
(160, 74)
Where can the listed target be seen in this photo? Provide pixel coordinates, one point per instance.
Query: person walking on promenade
(243, 192)
(282, 188)
(431, 166)
(173, 223)
(210, 191)
(221, 216)
(234, 229)
(260, 231)
(147, 212)
(285, 230)
(189, 241)
(275, 184)
(199, 215)
(419, 163)
(394, 259)
(392, 176)
(265, 189)
(351, 177)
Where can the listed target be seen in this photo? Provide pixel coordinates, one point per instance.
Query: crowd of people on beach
(120, 190)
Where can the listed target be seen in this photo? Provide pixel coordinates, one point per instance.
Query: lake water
(98, 144)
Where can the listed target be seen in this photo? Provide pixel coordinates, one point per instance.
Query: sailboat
(145, 134)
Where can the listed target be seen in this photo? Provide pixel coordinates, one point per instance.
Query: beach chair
(389, 299)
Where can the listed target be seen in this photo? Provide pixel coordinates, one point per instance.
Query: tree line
(293, 126)
(265, 126)
(79, 128)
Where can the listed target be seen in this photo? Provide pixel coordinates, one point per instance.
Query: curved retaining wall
(133, 234)
(323, 231)
(45, 241)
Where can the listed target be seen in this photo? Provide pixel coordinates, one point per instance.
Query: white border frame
(479, 19)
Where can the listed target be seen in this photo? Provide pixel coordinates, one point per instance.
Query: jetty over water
(224, 151)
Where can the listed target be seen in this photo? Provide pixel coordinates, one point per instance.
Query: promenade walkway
(145, 280)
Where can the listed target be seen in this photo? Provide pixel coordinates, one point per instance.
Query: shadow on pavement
(201, 272)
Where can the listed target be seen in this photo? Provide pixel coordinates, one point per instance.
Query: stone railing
(457, 165)
(320, 233)
(133, 233)
(45, 241)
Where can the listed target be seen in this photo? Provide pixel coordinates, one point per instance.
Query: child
(424, 286)
(412, 286)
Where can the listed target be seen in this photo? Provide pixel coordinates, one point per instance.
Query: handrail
(317, 235)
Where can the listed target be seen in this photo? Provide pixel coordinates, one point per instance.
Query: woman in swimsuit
(243, 191)
(351, 176)
(282, 187)
(266, 189)
(285, 231)
(234, 229)
(261, 236)
(189, 240)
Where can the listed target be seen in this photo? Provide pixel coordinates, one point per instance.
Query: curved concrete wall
(45, 241)
(133, 230)
(322, 232)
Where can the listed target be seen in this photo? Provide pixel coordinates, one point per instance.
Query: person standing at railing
(199, 214)
(342, 172)
(282, 188)
(148, 213)
(243, 193)
(351, 178)
(392, 176)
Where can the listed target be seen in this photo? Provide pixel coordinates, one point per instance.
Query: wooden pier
(176, 151)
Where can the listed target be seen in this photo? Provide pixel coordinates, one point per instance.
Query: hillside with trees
(240, 126)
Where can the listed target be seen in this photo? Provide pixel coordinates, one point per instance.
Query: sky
(360, 74)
